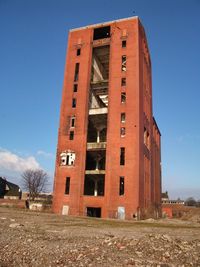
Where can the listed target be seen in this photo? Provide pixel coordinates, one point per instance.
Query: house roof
(11, 189)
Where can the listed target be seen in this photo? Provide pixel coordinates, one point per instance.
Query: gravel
(48, 240)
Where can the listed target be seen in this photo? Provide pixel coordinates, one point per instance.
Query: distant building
(9, 190)
(166, 200)
(108, 154)
(42, 197)
(164, 196)
(172, 208)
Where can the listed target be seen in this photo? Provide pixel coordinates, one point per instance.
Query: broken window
(75, 87)
(63, 157)
(123, 43)
(123, 117)
(76, 72)
(71, 135)
(122, 131)
(123, 81)
(74, 102)
(67, 158)
(70, 158)
(123, 63)
(78, 52)
(122, 155)
(94, 185)
(101, 33)
(121, 186)
(123, 97)
(72, 123)
(67, 185)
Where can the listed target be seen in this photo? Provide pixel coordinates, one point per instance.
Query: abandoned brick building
(108, 154)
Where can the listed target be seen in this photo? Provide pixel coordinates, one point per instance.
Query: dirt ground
(47, 240)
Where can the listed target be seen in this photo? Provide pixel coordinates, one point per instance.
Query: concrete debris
(15, 225)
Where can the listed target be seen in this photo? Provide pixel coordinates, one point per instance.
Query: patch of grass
(96, 222)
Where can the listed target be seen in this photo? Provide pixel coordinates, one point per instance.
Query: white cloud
(13, 163)
(44, 154)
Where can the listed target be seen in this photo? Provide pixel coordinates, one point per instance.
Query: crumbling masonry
(108, 154)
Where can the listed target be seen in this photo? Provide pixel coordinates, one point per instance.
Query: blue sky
(33, 41)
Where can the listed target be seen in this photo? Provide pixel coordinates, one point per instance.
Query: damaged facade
(108, 154)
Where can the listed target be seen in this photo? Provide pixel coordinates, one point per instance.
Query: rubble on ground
(37, 240)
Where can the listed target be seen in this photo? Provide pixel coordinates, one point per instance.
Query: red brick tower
(108, 154)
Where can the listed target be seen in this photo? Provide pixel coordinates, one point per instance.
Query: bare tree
(190, 202)
(34, 181)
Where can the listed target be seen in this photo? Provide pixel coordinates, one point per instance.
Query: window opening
(67, 185)
(123, 131)
(124, 43)
(123, 117)
(76, 72)
(121, 186)
(75, 87)
(145, 135)
(122, 155)
(101, 33)
(123, 63)
(94, 185)
(123, 81)
(71, 135)
(74, 102)
(63, 161)
(73, 121)
(100, 65)
(78, 52)
(123, 97)
(146, 138)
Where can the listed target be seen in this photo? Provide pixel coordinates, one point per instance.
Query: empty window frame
(76, 72)
(123, 82)
(123, 97)
(75, 88)
(123, 43)
(71, 135)
(67, 185)
(122, 155)
(73, 102)
(101, 33)
(123, 117)
(122, 131)
(121, 185)
(124, 63)
(72, 121)
(78, 52)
